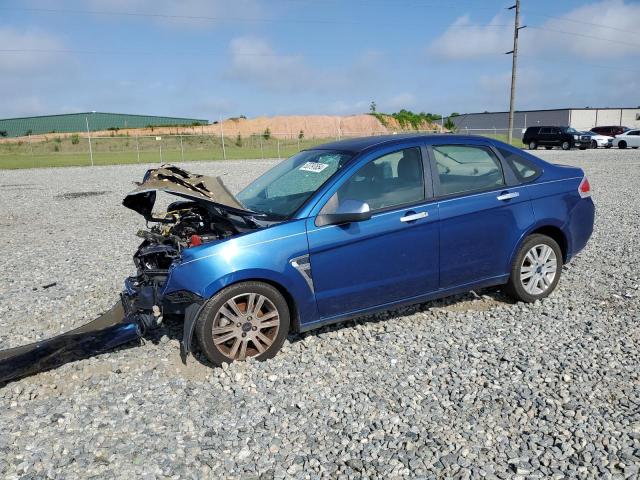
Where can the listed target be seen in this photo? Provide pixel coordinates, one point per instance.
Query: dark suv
(549, 137)
(610, 130)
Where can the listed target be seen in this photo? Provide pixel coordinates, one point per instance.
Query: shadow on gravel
(468, 302)
(74, 195)
(478, 301)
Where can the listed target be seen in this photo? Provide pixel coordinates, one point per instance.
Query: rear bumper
(580, 225)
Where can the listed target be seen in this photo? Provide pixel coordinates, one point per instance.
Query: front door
(390, 257)
(481, 217)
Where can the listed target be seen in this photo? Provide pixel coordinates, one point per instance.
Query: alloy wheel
(245, 326)
(538, 269)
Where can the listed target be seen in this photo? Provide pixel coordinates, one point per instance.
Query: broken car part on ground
(209, 212)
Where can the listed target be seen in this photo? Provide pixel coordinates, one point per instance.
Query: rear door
(483, 212)
(544, 136)
(390, 257)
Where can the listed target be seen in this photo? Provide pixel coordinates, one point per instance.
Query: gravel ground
(469, 387)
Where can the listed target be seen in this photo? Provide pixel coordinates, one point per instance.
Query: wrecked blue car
(332, 233)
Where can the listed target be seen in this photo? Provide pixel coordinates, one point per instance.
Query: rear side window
(545, 130)
(465, 168)
(523, 168)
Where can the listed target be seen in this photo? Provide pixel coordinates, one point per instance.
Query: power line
(583, 22)
(584, 35)
(212, 19)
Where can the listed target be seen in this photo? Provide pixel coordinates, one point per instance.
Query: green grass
(122, 150)
(119, 150)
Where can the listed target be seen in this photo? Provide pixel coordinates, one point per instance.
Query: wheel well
(558, 236)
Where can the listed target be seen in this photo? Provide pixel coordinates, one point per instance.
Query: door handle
(508, 196)
(414, 216)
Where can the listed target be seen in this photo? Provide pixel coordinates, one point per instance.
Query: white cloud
(467, 40)
(33, 56)
(255, 61)
(464, 39)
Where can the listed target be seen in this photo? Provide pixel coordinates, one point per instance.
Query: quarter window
(392, 180)
(463, 168)
(525, 170)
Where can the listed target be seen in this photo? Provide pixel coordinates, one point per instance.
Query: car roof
(360, 144)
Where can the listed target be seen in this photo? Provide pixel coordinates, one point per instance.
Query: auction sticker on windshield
(313, 167)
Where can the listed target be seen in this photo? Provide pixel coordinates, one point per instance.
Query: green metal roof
(77, 122)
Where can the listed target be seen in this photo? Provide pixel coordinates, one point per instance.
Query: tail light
(585, 188)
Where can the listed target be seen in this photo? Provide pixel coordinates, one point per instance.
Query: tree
(455, 114)
(239, 140)
(373, 106)
(449, 125)
(267, 134)
(3, 133)
(301, 135)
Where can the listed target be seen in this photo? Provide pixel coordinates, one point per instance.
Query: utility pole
(514, 54)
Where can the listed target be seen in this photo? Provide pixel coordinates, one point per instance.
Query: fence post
(298, 143)
(278, 143)
(261, 150)
(224, 152)
(181, 149)
(160, 152)
(137, 148)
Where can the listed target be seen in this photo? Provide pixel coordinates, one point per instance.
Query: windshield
(283, 189)
(571, 130)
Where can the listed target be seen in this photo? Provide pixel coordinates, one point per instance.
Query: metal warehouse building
(578, 118)
(77, 122)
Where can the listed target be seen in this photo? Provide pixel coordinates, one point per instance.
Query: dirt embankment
(284, 126)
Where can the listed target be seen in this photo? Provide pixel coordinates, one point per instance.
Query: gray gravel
(469, 387)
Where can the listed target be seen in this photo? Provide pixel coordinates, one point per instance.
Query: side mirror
(347, 212)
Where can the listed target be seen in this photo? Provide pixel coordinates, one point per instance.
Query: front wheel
(594, 144)
(622, 144)
(566, 146)
(533, 145)
(245, 320)
(536, 269)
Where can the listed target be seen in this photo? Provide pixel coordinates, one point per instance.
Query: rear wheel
(533, 145)
(566, 145)
(536, 269)
(246, 320)
(622, 144)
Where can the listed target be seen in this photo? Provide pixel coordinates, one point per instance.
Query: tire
(594, 144)
(607, 146)
(622, 144)
(533, 145)
(539, 284)
(548, 148)
(244, 335)
(566, 146)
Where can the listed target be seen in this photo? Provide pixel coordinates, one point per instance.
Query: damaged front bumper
(141, 308)
(110, 330)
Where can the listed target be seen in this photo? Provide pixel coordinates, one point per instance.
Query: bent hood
(174, 180)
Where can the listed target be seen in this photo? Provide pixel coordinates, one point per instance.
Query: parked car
(630, 138)
(610, 130)
(549, 137)
(349, 228)
(598, 140)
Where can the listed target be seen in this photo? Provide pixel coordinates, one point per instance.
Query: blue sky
(214, 58)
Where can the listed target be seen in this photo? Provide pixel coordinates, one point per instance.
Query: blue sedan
(349, 228)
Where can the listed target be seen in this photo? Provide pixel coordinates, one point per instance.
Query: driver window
(391, 180)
